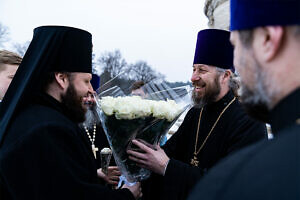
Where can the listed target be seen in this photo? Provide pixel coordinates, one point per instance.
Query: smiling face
(6, 75)
(205, 80)
(89, 101)
(82, 84)
(79, 88)
(91, 114)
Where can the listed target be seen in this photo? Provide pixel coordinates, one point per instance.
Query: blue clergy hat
(95, 81)
(214, 48)
(248, 14)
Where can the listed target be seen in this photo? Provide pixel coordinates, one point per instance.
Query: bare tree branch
(21, 48)
(113, 63)
(143, 72)
(3, 34)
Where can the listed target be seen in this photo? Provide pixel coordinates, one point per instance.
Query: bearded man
(92, 125)
(214, 128)
(95, 135)
(43, 152)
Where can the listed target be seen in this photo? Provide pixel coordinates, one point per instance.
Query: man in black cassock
(266, 36)
(214, 128)
(94, 133)
(92, 124)
(44, 154)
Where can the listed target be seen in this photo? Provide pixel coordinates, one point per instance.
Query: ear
(226, 76)
(268, 43)
(62, 80)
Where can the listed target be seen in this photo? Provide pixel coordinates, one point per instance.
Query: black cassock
(234, 130)
(266, 170)
(45, 156)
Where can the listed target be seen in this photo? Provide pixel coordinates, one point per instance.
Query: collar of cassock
(286, 113)
(222, 102)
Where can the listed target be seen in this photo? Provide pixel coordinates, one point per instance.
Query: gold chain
(211, 130)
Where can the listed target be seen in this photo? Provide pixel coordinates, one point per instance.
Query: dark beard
(73, 103)
(255, 100)
(257, 110)
(210, 94)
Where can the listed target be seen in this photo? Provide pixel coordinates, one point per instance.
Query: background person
(9, 63)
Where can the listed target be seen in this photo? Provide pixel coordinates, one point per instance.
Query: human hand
(112, 177)
(154, 160)
(136, 190)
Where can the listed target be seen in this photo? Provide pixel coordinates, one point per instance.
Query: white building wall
(218, 14)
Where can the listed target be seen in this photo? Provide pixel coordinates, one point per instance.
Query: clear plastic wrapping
(146, 119)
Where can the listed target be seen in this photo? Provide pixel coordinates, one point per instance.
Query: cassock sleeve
(179, 177)
(56, 167)
(172, 181)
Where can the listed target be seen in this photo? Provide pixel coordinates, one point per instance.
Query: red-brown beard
(210, 94)
(74, 105)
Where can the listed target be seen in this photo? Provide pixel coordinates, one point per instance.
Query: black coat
(267, 170)
(45, 156)
(234, 130)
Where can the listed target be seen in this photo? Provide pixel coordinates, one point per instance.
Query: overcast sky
(161, 32)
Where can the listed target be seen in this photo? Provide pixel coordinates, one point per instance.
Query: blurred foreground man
(266, 36)
(44, 154)
(214, 128)
(9, 63)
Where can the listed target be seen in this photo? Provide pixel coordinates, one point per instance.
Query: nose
(195, 76)
(90, 89)
(89, 97)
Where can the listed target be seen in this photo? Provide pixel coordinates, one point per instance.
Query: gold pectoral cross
(194, 161)
(94, 149)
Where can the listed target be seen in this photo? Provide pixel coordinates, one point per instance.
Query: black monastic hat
(52, 49)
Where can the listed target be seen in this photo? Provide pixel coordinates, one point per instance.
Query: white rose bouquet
(125, 118)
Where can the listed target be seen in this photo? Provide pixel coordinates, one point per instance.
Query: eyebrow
(200, 66)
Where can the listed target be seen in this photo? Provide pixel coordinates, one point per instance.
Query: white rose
(158, 109)
(123, 108)
(173, 110)
(107, 105)
(166, 109)
(135, 107)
